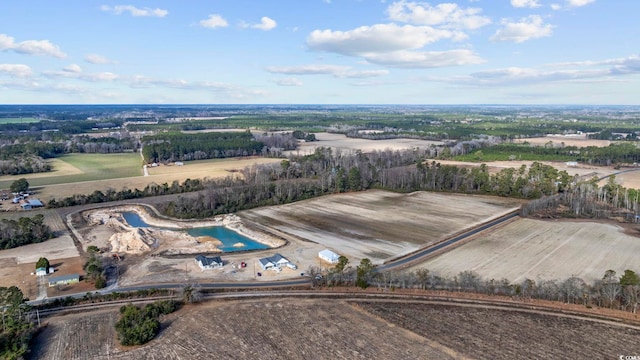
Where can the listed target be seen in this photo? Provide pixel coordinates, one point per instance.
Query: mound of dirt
(135, 241)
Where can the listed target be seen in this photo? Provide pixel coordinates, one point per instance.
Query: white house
(64, 280)
(41, 271)
(276, 261)
(329, 256)
(209, 262)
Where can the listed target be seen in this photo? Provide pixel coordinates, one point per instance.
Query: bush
(138, 326)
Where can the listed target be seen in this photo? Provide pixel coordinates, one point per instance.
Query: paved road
(302, 281)
(429, 250)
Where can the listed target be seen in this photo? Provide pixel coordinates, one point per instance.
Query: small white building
(41, 271)
(209, 262)
(329, 256)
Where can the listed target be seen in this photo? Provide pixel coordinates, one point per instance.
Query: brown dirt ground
(340, 329)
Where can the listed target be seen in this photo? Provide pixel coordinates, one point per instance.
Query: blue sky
(320, 52)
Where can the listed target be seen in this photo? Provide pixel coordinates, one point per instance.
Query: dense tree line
(25, 164)
(325, 172)
(625, 153)
(138, 326)
(169, 147)
(25, 230)
(16, 327)
(588, 200)
(152, 189)
(612, 290)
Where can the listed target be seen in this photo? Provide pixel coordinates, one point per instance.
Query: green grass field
(92, 167)
(18, 120)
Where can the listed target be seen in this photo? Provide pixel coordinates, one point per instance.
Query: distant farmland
(18, 120)
(74, 168)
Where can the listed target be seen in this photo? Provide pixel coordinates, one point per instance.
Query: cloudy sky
(320, 52)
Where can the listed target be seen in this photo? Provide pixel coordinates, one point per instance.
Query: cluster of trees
(16, 327)
(25, 230)
(138, 326)
(275, 143)
(169, 147)
(612, 291)
(94, 269)
(306, 136)
(26, 164)
(152, 189)
(19, 186)
(492, 150)
(588, 200)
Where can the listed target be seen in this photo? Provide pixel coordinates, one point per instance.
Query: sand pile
(135, 241)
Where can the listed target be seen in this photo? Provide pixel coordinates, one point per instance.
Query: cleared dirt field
(557, 141)
(337, 329)
(340, 141)
(380, 225)
(548, 250)
(484, 333)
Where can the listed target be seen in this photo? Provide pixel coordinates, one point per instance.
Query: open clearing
(380, 225)
(339, 329)
(557, 141)
(105, 172)
(539, 249)
(340, 141)
(72, 168)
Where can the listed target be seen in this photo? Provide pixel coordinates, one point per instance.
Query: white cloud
(379, 38)
(289, 82)
(425, 59)
(393, 45)
(16, 70)
(98, 59)
(531, 27)
(214, 21)
(579, 71)
(525, 3)
(74, 71)
(266, 24)
(321, 69)
(30, 47)
(73, 68)
(578, 3)
(308, 69)
(571, 4)
(447, 15)
(134, 11)
(364, 74)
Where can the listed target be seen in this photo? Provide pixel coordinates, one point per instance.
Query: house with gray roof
(209, 262)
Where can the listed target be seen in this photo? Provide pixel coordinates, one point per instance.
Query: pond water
(228, 237)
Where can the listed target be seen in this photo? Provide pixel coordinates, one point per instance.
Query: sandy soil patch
(340, 141)
(556, 141)
(547, 250)
(379, 225)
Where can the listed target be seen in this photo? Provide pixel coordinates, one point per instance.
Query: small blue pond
(228, 237)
